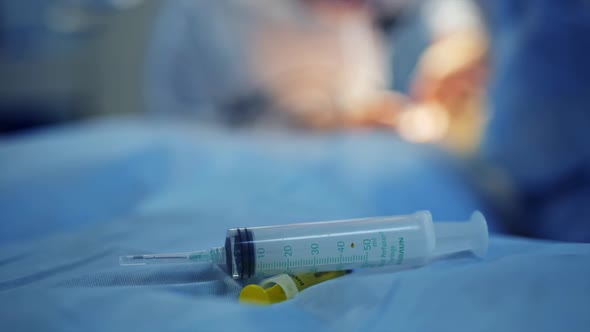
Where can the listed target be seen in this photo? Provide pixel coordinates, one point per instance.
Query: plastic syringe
(402, 241)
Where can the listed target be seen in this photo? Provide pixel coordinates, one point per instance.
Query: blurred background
(491, 84)
(311, 64)
(64, 61)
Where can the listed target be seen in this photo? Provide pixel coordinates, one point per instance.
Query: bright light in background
(423, 123)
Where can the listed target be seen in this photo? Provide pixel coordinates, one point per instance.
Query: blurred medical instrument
(284, 287)
(396, 241)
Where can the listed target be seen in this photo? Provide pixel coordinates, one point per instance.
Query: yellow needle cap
(256, 294)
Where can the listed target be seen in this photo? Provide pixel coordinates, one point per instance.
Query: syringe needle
(152, 259)
(203, 256)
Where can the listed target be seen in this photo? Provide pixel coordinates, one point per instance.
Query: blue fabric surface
(75, 198)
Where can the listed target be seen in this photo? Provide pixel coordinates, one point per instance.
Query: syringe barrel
(406, 241)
